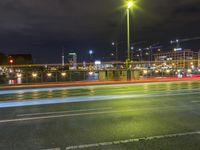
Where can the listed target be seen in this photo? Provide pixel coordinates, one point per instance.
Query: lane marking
(52, 149)
(8, 104)
(87, 113)
(131, 140)
(58, 116)
(62, 112)
(195, 101)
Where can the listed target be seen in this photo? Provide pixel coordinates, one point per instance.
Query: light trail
(36, 102)
(21, 91)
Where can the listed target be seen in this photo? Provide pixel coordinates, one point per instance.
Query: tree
(3, 59)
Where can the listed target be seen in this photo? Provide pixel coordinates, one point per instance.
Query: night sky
(45, 27)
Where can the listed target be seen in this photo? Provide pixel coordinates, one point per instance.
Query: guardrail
(37, 73)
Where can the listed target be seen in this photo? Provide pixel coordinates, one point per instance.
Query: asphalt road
(101, 117)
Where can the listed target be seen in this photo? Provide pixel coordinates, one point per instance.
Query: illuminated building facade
(179, 59)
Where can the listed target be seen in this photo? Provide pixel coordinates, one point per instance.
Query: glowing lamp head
(19, 75)
(63, 74)
(145, 71)
(49, 74)
(11, 61)
(34, 75)
(130, 4)
(91, 73)
(90, 52)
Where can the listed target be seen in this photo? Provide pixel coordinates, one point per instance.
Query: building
(20, 59)
(72, 60)
(183, 59)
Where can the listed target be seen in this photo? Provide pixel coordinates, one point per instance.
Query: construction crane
(178, 41)
(149, 51)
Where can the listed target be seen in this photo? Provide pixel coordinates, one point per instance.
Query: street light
(130, 4)
(145, 71)
(19, 75)
(90, 52)
(115, 44)
(168, 71)
(63, 74)
(34, 75)
(11, 61)
(91, 57)
(49, 74)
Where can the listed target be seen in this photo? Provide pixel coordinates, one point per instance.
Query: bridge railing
(37, 73)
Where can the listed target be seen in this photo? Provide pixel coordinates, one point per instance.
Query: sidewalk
(84, 83)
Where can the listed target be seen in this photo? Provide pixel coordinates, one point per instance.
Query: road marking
(62, 112)
(131, 140)
(8, 104)
(58, 116)
(52, 149)
(89, 113)
(195, 101)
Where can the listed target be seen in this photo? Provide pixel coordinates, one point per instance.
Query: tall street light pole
(91, 58)
(129, 5)
(115, 44)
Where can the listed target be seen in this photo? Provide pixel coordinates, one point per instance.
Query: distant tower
(63, 58)
(72, 60)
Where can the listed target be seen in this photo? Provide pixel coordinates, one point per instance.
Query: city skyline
(42, 28)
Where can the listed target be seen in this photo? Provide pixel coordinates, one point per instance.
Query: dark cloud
(46, 26)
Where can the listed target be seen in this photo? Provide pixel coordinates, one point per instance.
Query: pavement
(112, 116)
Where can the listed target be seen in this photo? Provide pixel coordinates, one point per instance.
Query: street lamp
(63, 74)
(49, 74)
(91, 53)
(129, 6)
(11, 61)
(19, 75)
(34, 75)
(115, 44)
(91, 58)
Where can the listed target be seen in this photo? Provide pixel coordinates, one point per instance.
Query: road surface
(121, 116)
